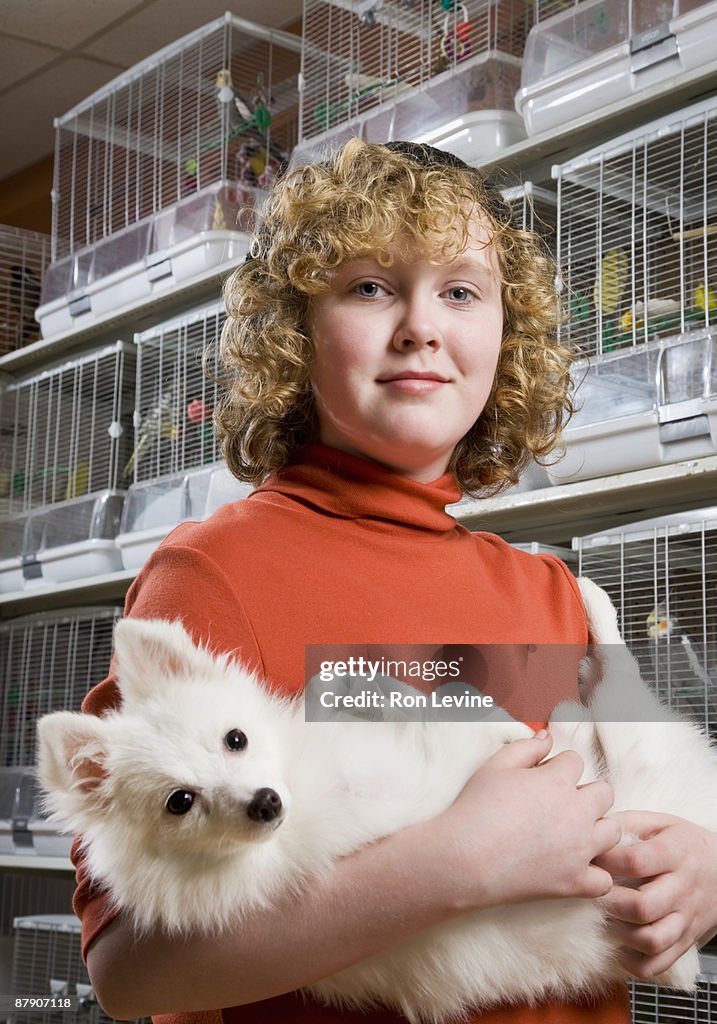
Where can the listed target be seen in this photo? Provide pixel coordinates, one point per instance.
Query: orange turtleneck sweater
(338, 549)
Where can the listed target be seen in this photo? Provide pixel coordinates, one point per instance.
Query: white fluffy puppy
(204, 796)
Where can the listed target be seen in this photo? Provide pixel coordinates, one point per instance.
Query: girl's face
(405, 356)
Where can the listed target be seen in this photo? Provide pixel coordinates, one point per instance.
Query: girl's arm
(479, 853)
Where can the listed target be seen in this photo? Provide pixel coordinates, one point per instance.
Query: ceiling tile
(163, 21)
(29, 109)
(20, 59)
(62, 24)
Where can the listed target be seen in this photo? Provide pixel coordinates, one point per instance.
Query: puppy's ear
(71, 755)
(150, 652)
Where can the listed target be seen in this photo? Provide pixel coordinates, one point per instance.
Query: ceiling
(54, 53)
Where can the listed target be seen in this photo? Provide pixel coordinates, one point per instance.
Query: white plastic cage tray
(153, 508)
(648, 406)
(468, 111)
(24, 829)
(76, 539)
(204, 230)
(599, 52)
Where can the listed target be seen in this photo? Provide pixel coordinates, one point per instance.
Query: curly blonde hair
(360, 201)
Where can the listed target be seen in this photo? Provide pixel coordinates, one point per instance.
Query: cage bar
(638, 234)
(661, 575)
(174, 397)
(47, 961)
(653, 1005)
(218, 105)
(24, 257)
(66, 431)
(48, 662)
(384, 69)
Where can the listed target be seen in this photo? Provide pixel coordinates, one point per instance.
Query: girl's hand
(527, 831)
(675, 903)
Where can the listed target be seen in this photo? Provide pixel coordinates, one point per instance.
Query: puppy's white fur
(342, 786)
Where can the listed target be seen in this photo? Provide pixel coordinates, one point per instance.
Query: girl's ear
(71, 754)
(149, 652)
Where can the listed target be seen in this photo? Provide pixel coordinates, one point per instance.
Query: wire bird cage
(161, 169)
(174, 398)
(534, 209)
(48, 662)
(662, 577)
(175, 471)
(653, 1005)
(637, 248)
(24, 256)
(421, 71)
(47, 961)
(66, 431)
(28, 892)
(638, 234)
(584, 56)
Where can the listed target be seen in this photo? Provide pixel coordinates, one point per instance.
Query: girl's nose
(417, 325)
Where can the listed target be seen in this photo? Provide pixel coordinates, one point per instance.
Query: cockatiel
(659, 625)
(230, 99)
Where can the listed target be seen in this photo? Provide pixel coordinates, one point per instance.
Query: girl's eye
(459, 294)
(368, 289)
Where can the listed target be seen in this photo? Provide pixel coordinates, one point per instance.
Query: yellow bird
(704, 298)
(611, 280)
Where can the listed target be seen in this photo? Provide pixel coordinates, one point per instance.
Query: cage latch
(652, 47)
(158, 267)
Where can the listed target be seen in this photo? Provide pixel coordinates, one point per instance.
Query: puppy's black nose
(265, 805)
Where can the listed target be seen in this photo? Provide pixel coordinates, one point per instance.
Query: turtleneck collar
(358, 488)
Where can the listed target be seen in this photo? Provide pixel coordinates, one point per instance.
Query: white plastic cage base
(635, 442)
(582, 59)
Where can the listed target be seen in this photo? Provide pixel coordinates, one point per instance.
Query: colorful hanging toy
(200, 414)
(455, 41)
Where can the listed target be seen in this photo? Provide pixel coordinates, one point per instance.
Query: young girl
(389, 343)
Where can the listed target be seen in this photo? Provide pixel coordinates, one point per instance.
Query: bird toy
(200, 414)
(455, 42)
(241, 117)
(160, 422)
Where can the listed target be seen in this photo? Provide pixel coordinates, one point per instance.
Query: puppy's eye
(180, 801)
(235, 740)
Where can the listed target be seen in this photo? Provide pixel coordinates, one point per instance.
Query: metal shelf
(110, 587)
(21, 860)
(135, 317)
(554, 515)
